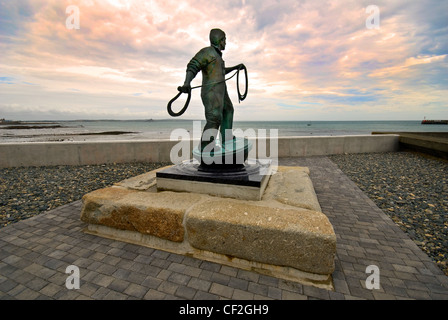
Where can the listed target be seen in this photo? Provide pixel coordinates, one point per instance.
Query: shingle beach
(410, 188)
(29, 191)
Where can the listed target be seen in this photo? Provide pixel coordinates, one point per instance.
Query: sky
(306, 59)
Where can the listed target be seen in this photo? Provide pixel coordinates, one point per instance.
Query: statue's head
(218, 39)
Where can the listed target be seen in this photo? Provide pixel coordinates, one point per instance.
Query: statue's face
(222, 44)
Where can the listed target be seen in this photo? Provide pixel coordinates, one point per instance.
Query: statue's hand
(185, 88)
(241, 66)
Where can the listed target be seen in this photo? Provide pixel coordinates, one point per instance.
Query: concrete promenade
(35, 253)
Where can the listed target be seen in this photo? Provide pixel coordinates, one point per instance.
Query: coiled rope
(241, 97)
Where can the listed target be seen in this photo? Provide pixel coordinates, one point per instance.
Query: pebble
(412, 189)
(29, 191)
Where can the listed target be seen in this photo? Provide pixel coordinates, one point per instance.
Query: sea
(129, 130)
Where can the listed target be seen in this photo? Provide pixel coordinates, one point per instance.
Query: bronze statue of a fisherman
(214, 95)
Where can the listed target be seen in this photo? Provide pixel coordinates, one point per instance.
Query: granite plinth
(241, 182)
(284, 234)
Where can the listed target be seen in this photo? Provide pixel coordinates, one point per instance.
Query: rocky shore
(412, 189)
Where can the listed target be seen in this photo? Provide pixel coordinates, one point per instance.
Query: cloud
(6, 80)
(290, 106)
(316, 56)
(408, 63)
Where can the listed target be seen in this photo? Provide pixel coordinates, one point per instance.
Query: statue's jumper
(241, 97)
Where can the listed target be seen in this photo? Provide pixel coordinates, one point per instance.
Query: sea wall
(432, 143)
(89, 153)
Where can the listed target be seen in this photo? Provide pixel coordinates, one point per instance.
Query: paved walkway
(35, 253)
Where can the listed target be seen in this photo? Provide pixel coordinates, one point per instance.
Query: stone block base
(284, 234)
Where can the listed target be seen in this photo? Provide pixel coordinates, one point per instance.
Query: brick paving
(35, 253)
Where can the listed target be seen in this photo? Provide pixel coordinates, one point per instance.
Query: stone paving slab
(35, 253)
